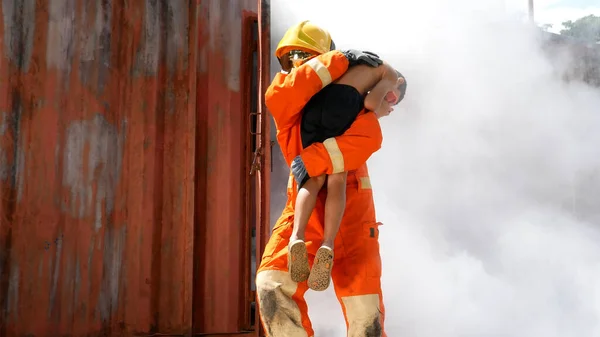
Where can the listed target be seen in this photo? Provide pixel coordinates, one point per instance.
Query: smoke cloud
(488, 182)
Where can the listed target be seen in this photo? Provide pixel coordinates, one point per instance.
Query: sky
(555, 11)
(487, 181)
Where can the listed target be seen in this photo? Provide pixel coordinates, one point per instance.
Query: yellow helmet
(307, 37)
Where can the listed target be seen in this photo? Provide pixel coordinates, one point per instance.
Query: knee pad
(280, 314)
(364, 315)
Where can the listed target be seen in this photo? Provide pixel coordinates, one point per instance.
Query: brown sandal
(298, 261)
(320, 274)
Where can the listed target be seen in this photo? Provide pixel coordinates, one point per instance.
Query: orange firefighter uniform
(357, 266)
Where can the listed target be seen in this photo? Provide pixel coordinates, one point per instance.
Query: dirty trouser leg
(283, 310)
(358, 290)
(357, 274)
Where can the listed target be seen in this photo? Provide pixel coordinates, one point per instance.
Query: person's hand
(362, 57)
(384, 109)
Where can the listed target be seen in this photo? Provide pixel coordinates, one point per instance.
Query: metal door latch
(255, 162)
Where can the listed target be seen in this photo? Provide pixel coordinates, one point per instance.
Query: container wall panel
(224, 153)
(120, 144)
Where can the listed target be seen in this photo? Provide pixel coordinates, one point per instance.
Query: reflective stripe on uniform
(335, 154)
(321, 70)
(365, 183)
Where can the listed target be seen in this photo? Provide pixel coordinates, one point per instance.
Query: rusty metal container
(127, 133)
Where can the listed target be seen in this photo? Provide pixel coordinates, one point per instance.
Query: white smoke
(488, 182)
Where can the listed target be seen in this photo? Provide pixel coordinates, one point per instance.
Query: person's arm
(347, 152)
(374, 99)
(288, 93)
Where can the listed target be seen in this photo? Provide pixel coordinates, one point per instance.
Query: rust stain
(177, 30)
(13, 294)
(11, 158)
(18, 31)
(4, 166)
(95, 47)
(98, 146)
(5, 169)
(114, 246)
(148, 56)
(61, 34)
(54, 274)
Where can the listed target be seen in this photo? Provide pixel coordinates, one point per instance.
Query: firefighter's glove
(362, 57)
(299, 171)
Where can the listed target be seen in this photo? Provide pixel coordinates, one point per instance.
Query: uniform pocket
(372, 254)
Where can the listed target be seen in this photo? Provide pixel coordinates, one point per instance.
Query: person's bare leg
(305, 203)
(320, 274)
(335, 204)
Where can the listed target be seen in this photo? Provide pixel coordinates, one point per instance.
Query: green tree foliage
(587, 28)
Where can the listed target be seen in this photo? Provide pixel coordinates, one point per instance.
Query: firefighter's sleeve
(288, 93)
(343, 153)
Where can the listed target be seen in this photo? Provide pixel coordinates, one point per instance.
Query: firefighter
(327, 115)
(357, 263)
